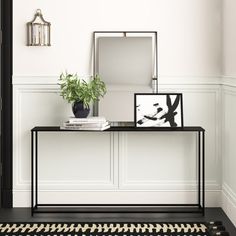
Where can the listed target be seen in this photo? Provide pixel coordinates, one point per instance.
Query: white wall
(229, 36)
(188, 30)
(229, 109)
(189, 62)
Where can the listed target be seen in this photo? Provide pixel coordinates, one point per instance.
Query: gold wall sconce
(38, 31)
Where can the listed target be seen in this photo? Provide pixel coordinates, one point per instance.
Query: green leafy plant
(74, 89)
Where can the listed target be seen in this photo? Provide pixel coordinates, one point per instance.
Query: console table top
(121, 126)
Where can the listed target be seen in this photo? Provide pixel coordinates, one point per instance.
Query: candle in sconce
(29, 32)
(154, 85)
(39, 35)
(43, 35)
(33, 35)
(36, 34)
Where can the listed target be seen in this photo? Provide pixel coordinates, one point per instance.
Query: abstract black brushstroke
(150, 117)
(171, 113)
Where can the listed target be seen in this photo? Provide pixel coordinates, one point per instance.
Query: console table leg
(36, 169)
(203, 171)
(32, 173)
(199, 169)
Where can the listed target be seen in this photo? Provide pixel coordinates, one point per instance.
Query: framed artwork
(158, 110)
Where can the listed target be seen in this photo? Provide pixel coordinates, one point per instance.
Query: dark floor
(24, 215)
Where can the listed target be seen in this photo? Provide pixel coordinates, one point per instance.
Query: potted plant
(81, 93)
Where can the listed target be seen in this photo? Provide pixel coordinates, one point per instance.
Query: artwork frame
(158, 110)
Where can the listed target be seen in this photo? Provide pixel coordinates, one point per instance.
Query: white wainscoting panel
(228, 150)
(77, 160)
(112, 167)
(163, 160)
(202, 107)
(229, 127)
(32, 106)
(64, 157)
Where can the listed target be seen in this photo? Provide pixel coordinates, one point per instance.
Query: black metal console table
(199, 207)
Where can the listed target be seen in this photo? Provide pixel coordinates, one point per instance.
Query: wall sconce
(38, 31)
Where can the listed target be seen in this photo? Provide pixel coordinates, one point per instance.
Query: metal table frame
(199, 207)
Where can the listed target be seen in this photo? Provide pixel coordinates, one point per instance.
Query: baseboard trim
(22, 198)
(229, 203)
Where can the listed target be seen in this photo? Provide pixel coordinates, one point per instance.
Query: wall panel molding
(163, 80)
(228, 150)
(229, 81)
(19, 159)
(32, 87)
(155, 184)
(17, 129)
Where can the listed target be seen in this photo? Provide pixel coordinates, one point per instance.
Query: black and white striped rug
(113, 229)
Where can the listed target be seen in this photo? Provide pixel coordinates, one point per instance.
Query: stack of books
(90, 123)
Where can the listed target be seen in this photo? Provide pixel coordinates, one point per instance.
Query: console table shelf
(199, 207)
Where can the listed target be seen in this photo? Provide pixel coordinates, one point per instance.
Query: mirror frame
(153, 34)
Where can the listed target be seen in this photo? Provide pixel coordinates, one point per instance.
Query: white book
(85, 124)
(86, 128)
(93, 119)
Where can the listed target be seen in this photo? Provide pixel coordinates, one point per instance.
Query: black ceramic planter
(79, 110)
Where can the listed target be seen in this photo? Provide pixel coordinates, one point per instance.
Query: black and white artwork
(158, 110)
